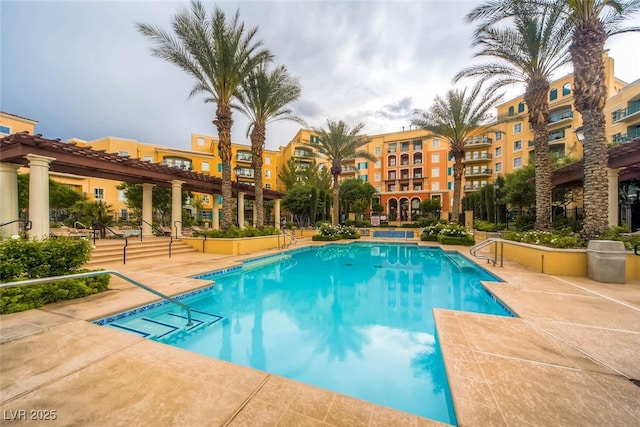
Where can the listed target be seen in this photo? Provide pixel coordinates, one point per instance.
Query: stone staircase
(111, 250)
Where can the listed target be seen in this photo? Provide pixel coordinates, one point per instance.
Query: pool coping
(492, 405)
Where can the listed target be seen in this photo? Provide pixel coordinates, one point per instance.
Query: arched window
(511, 110)
(521, 107)
(566, 89)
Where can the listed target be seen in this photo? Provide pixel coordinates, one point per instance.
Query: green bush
(561, 240)
(488, 226)
(23, 298)
(234, 232)
(321, 238)
(456, 240)
(429, 237)
(524, 222)
(620, 233)
(30, 259)
(360, 223)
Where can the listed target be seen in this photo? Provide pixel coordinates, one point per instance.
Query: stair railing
(99, 273)
(474, 251)
(158, 231)
(176, 227)
(106, 229)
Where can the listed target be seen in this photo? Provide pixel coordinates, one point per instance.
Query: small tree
(430, 207)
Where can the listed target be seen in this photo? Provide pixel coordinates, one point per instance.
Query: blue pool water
(355, 319)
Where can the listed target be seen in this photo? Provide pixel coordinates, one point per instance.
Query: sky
(83, 70)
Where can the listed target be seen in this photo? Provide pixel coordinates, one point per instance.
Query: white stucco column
(39, 195)
(614, 208)
(276, 212)
(241, 210)
(147, 209)
(255, 212)
(215, 214)
(176, 206)
(9, 199)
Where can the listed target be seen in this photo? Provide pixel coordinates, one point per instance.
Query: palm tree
(456, 118)
(528, 51)
(219, 55)
(593, 22)
(339, 143)
(263, 97)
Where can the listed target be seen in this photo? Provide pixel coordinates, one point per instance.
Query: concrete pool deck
(567, 360)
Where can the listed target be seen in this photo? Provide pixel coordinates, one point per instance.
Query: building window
(219, 167)
(147, 158)
(123, 153)
(435, 172)
(124, 215)
(205, 166)
(267, 186)
(362, 165)
(392, 175)
(435, 186)
(498, 136)
(201, 142)
(378, 164)
(392, 148)
(566, 89)
(267, 173)
(517, 145)
(517, 128)
(512, 110)
(121, 196)
(392, 161)
(435, 158)
(435, 143)
(363, 178)
(417, 144)
(267, 160)
(553, 95)
(314, 139)
(98, 194)
(417, 187)
(499, 167)
(521, 107)
(6, 130)
(376, 177)
(378, 188)
(498, 151)
(450, 185)
(517, 162)
(377, 150)
(205, 199)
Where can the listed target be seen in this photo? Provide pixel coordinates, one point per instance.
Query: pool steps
(165, 324)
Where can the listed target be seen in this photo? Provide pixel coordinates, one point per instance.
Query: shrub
(321, 238)
(360, 223)
(456, 240)
(620, 233)
(234, 232)
(488, 226)
(23, 298)
(561, 240)
(524, 222)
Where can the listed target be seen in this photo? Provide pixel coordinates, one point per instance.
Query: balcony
(470, 188)
(560, 117)
(479, 142)
(303, 153)
(483, 157)
(624, 137)
(349, 169)
(631, 112)
(244, 157)
(480, 173)
(556, 135)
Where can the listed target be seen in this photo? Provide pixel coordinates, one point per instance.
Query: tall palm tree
(455, 118)
(529, 49)
(263, 97)
(593, 22)
(338, 144)
(219, 54)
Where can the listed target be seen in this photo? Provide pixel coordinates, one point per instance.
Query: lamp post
(496, 194)
(237, 171)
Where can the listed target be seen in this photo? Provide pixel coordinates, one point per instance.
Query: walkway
(565, 361)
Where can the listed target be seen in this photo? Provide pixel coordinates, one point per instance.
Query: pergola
(623, 164)
(43, 155)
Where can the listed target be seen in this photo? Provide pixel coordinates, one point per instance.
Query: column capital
(177, 182)
(9, 167)
(38, 160)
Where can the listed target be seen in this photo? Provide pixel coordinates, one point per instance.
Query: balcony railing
(302, 153)
(559, 134)
(479, 141)
(632, 109)
(483, 172)
(481, 158)
(561, 115)
(631, 134)
(243, 157)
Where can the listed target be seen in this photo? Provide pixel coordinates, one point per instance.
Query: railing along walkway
(474, 250)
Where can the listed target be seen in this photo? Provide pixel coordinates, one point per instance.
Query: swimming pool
(355, 319)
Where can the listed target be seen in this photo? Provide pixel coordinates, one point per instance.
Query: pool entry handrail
(99, 273)
(285, 235)
(474, 250)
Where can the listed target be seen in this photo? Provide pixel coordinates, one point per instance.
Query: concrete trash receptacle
(606, 261)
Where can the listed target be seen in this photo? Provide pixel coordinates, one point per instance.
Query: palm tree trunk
(536, 99)
(336, 201)
(224, 122)
(458, 171)
(258, 136)
(590, 93)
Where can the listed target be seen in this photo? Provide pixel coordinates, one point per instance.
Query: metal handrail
(635, 249)
(75, 225)
(120, 236)
(474, 249)
(157, 230)
(27, 223)
(99, 273)
(176, 227)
